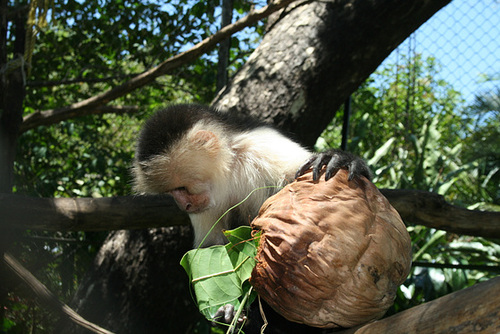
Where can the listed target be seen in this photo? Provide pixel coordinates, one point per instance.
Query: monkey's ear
(206, 139)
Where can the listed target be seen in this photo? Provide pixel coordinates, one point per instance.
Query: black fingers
(316, 163)
(305, 166)
(358, 167)
(355, 169)
(225, 315)
(228, 313)
(320, 161)
(332, 167)
(333, 160)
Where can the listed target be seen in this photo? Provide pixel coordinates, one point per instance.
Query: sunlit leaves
(219, 274)
(415, 131)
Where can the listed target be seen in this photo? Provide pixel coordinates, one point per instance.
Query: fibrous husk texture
(332, 254)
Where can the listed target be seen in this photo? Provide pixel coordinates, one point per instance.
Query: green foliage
(86, 158)
(92, 46)
(220, 274)
(416, 132)
(483, 148)
(86, 48)
(459, 262)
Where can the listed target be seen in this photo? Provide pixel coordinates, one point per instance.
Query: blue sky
(465, 39)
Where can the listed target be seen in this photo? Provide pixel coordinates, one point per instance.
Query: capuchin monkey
(210, 161)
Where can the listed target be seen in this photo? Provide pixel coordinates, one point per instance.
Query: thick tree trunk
(312, 58)
(137, 285)
(318, 54)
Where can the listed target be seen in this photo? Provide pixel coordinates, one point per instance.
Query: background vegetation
(413, 128)
(417, 132)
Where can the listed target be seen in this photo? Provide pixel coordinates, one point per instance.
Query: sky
(464, 37)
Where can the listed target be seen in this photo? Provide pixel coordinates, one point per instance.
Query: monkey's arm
(333, 160)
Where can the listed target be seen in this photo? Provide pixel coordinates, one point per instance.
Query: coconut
(332, 253)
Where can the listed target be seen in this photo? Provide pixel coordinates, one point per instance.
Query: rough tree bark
(318, 54)
(313, 57)
(472, 310)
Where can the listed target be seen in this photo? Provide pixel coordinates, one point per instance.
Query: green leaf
(435, 238)
(218, 273)
(241, 238)
(214, 279)
(381, 152)
(443, 188)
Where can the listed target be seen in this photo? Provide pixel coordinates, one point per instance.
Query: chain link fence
(464, 38)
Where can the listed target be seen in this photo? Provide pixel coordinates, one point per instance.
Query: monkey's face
(190, 184)
(191, 203)
(187, 171)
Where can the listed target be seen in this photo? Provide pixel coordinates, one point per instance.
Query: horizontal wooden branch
(431, 210)
(472, 310)
(89, 214)
(81, 108)
(133, 212)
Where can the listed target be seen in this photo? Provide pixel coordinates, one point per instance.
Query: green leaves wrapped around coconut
(331, 254)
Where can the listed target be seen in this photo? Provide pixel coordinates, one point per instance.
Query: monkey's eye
(181, 188)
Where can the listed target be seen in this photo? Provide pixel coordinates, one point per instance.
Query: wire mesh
(464, 37)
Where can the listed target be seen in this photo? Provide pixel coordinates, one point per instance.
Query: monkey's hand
(225, 315)
(333, 160)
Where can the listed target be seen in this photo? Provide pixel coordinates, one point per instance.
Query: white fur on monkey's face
(187, 171)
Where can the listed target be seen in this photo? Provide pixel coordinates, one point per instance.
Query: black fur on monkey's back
(167, 126)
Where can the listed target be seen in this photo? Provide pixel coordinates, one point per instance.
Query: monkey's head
(182, 154)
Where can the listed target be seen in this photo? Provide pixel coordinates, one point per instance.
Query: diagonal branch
(52, 116)
(472, 310)
(46, 118)
(46, 297)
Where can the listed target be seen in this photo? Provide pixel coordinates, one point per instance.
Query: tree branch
(134, 212)
(479, 267)
(89, 214)
(45, 119)
(315, 56)
(51, 83)
(81, 108)
(46, 297)
(471, 310)
(431, 210)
